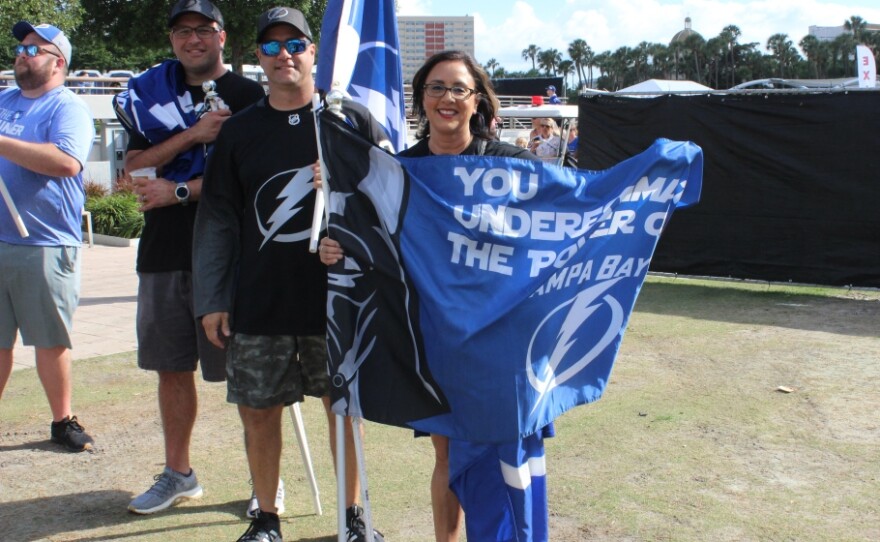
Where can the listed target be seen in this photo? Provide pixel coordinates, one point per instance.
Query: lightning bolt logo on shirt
(289, 199)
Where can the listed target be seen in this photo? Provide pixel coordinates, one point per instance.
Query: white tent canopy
(662, 86)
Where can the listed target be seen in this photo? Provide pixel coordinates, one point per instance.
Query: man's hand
(153, 193)
(329, 251)
(207, 128)
(216, 326)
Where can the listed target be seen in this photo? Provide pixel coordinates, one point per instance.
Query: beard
(29, 77)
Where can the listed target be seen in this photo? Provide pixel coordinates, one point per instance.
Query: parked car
(84, 86)
(119, 74)
(7, 82)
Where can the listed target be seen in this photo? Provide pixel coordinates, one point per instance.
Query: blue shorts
(39, 292)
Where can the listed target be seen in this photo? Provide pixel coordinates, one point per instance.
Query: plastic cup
(144, 173)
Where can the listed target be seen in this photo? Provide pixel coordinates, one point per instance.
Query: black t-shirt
(493, 147)
(255, 220)
(166, 242)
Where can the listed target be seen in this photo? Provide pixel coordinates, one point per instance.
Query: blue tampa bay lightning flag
(481, 297)
(360, 56)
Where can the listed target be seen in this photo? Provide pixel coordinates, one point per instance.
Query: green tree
(65, 14)
(582, 56)
(531, 52)
(492, 65)
(549, 60)
(783, 53)
(566, 68)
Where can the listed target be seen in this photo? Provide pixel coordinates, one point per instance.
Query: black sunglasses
(293, 46)
(32, 50)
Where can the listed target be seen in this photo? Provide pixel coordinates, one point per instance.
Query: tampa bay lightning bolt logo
(563, 334)
(282, 205)
(277, 13)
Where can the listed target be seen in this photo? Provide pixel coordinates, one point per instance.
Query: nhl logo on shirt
(293, 120)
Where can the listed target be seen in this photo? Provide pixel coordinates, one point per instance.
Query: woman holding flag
(455, 102)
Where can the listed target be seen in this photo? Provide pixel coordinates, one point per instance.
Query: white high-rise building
(421, 37)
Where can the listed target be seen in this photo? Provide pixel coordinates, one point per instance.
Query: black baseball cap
(202, 7)
(282, 15)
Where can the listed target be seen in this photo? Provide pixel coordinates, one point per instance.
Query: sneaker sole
(87, 446)
(195, 493)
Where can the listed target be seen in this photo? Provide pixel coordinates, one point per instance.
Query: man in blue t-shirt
(552, 98)
(46, 134)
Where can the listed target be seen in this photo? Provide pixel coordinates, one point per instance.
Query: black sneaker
(264, 528)
(356, 529)
(71, 434)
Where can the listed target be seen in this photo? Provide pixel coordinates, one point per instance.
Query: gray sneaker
(170, 488)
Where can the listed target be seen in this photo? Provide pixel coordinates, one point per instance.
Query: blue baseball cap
(551, 87)
(50, 33)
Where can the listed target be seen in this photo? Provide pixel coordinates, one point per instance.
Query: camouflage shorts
(265, 371)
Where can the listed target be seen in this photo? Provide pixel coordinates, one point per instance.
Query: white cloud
(503, 33)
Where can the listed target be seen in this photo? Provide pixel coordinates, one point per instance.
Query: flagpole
(13, 211)
(320, 206)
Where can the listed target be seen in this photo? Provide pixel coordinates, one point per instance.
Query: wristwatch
(182, 193)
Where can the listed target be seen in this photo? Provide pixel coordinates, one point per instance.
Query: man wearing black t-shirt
(171, 126)
(260, 292)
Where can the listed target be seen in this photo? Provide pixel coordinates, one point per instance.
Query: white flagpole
(13, 210)
(356, 424)
(320, 205)
(300, 431)
(340, 478)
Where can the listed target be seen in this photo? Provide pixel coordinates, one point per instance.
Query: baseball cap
(48, 32)
(551, 87)
(202, 7)
(282, 15)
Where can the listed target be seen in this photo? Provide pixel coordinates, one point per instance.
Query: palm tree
(548, 60)
(857, 27)
(730, 34)
(531, 52)
(694, 46)
(816, 53)
(582, 55)
(566, 67)
(492, 65)
(783, 51)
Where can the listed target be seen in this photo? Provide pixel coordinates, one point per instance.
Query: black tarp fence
(791, 183)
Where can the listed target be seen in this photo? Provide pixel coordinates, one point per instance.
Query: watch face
(182, 192)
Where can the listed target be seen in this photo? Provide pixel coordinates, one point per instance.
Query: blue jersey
(50, 207)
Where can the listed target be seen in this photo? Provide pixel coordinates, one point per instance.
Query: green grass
(691, 442)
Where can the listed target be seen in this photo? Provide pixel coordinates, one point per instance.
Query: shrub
(117, 215)
(94, 190)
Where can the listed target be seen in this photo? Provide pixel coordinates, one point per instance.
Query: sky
(503, 28)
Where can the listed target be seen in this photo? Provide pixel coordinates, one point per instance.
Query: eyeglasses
(546, 126)
(292, 46)
(458, 93)
(186, 32)
(32, 50)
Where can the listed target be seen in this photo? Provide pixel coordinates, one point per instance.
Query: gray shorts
(39, 292)
(266, 371)
(170, 339)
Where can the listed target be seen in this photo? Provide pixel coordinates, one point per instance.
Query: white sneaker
(254, 505)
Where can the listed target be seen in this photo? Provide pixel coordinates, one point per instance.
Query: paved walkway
(104, 322)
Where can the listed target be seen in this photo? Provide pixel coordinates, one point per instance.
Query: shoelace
(74, 425)
(164, 483)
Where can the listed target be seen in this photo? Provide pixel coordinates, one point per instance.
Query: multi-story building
(421, 37)
(828, 33)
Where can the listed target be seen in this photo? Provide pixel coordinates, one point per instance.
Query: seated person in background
(521, 142)
(547, 144)
(552, 98)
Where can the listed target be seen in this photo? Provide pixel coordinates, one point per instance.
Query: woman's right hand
(330, 251)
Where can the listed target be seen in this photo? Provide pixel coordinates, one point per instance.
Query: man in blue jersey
(46, 134)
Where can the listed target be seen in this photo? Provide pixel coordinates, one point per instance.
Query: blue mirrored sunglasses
(293, 46)
(32, 50)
